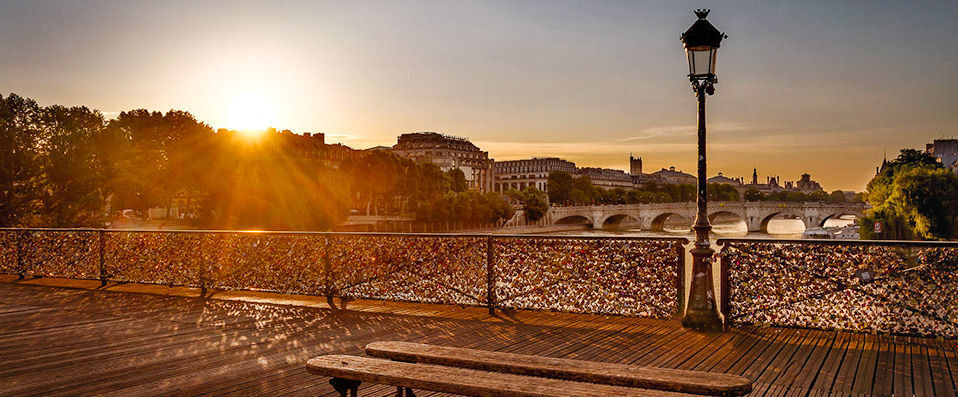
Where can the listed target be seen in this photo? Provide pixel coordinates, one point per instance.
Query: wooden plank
(732, 353)
(461, 380)
(765, 368)
(941, 379)
(920, 369)
(949, 349)
(654, 337)
(603, 349)
(705, 347)
(865, 375)
(578, 370)
(809, 354)
(717, 347)
(884, 377)
(739, 366)
(902, 382)
(831, 364)
(780, 362)
(845, 377)
(661, 343)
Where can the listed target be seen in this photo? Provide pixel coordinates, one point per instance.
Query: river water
(777, 229)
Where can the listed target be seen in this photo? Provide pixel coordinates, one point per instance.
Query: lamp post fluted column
(701, 313)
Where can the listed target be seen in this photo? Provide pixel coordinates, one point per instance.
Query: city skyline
(813, 87)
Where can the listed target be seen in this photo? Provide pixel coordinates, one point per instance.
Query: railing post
(102, 242)
(724, 305)
(327, 269)
(20, 237)
(202, 269)
(490, 277)
(679, 280)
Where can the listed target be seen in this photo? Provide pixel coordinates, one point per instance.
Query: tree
(559, 186)
(535, 203)
(836, 197)
(72, 180)
(722, 192)
(588, 192)
(752, 194)
(20, 131)
(913, 197)
(457, 180)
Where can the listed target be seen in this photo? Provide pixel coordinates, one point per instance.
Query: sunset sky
(820, 87)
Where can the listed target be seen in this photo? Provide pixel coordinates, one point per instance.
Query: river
(777, 229)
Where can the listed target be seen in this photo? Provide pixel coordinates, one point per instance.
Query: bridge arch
(763, 227)
(574, 220)
(714, 215)
(619, 220)
(838, 215)
(658, 223)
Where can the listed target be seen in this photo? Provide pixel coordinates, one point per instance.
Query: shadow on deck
(84, 341)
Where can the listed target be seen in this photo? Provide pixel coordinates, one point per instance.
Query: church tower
(635, 165)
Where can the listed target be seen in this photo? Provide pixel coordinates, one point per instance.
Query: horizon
(820, 88)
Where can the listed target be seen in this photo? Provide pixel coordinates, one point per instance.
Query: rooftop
(73, 337)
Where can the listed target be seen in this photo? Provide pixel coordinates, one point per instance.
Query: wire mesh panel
(170, 258)
(61, 253)
(906, 289)
(609, 276)
(9, 246)
(409, 268)
(281, 262)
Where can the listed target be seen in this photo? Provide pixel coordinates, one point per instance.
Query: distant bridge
(756, 214)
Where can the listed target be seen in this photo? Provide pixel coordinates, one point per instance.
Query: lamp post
(701, 43)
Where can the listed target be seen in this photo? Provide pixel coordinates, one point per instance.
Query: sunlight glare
(251, 114)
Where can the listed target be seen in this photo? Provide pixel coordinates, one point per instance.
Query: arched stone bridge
(756, 214)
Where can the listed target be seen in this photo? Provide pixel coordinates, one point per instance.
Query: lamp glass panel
(700, 62)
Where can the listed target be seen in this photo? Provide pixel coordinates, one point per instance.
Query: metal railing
(608, 275)
(900, 287)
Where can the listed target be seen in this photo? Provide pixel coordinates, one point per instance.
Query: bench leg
(343, 386)
(408, 390)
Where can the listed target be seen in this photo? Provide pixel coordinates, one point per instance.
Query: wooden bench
(349, 371)
(694, 382)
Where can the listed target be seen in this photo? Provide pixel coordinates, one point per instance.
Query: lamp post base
(701, 314)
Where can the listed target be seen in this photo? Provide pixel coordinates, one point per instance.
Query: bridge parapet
(756, 214)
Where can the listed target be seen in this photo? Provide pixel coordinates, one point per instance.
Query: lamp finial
(702, 12)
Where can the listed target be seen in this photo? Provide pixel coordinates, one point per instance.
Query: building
(306, 146)
(671, 176)
(722, 179)
(449, 152)
(334, 155)
(946, 151)
(607, 178)
(771, 185)
(635, 165)
(520, 174)
(805, 185)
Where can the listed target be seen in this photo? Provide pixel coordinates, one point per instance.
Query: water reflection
(721, 227)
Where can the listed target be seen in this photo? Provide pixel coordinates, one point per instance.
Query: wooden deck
(63, 341)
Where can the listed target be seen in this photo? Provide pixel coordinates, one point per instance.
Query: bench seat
(694, 382)
(461, 380)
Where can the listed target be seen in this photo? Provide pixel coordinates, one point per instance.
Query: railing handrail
(948, 244)
(682, 240)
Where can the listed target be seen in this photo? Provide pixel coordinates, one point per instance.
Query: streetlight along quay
(701, 43)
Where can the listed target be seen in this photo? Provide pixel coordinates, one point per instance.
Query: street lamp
(701, 43)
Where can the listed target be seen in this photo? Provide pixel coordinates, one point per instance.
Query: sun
(251, 114)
